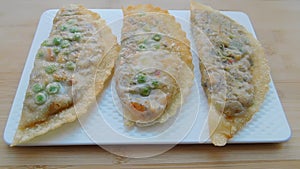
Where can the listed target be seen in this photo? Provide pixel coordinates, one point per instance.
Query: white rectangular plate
(269, 125)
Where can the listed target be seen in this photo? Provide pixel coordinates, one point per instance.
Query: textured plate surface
(269, 125)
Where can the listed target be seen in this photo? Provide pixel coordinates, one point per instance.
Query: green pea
(74, 30)
(37, 87)
(70, 65)
(50, 69)
(65, 44)
(45, 43)
(142, 46)
(157, 46)
(76, 37)
(57, 41)
(40, 98)
(145, 91)
(156, 37)
(155, 84)
(141, 78)
(63, 28)
(40, 54)
(53, 88)
(56, 51)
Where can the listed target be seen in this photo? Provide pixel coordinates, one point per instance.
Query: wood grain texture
(277, 25)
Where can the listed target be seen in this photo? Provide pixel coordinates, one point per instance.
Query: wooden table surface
(277, 25)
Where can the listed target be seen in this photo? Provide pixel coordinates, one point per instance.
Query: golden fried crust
(96, 80)
(142, 8)
(163, 23)
(221, 127)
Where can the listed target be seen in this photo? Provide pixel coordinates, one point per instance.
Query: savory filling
(54, 86)
(146, 94)
(150, 68)
(232, 55)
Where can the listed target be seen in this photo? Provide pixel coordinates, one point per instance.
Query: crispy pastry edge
(222, 128)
